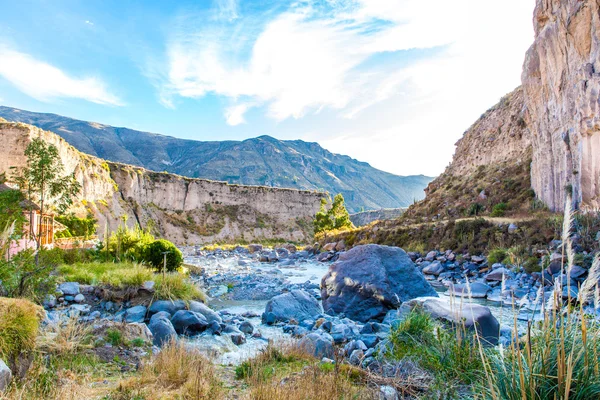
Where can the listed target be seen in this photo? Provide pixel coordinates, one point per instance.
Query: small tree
(336, 217)
(153, 254)
(43, 182)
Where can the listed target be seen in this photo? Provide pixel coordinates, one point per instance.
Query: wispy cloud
(46, 82)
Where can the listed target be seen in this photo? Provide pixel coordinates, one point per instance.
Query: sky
(391, 82)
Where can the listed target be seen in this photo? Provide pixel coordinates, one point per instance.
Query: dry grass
(19, 324)
(175, 286)
(283, 371)
(176, 372)
(68, 338)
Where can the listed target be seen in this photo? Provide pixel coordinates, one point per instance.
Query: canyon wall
(183, 210)
(561, 82)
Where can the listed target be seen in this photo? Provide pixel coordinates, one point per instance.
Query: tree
(336, 217)
(43, 182)
(154, 254)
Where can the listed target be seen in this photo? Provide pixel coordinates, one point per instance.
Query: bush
(532, 264)
(19, 324)
(78, 227)
(499, 210)
(152, 253)
(497, 256)
(20, 276)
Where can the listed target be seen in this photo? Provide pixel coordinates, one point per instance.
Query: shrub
(336, 218)
(532, 264)
(497, 256)
(78, 227)
(499, 210)
(19, 324)
(21, 277)
(152, 253)
(114, 337)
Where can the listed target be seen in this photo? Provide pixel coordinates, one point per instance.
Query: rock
(297, 304)
(356, 357)
(329, 246)
(253, 248)
(473, 316)
(512, 228)
(247, 327)
(5, 375)
(214, 328)
(340, 246)
(435, 268)
(79, 298)
(368, 280)
(477, 290)
(188, 322)
(69, 288)
(431, 256)
(555, 267)
(577, 271)
(369, 340)
(269, 318)
(205, 310)
(478, 259)
(167, 306)
(238, 338)
(388, 393)
(162, 329)
(135, 314)
(354, 345)
(49, 301)
(149, 286)
(318, 345)
(137, 330)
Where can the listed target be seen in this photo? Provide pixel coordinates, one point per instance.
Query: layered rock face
(561, 82)
(183, 210)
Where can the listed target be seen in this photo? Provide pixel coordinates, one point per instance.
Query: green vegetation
(497, 256)
(336, 218)
(499, 210)
(126, 243)
(173, 286)
(118, 275)
(154, 254)
(19, 324)
(11, 210)
(77, 227)
(114, 337)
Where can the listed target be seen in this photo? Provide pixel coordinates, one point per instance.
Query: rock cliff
(184, 210)
(561, 82)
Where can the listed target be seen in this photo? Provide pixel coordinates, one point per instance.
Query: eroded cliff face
(561, 82)
(500, 135)
(183, 210)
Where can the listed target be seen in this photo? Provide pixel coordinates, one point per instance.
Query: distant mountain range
(259, 161)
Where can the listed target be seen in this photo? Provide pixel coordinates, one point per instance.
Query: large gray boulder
(162, 329)
(189, 322)
(170, 306)
(317, 345)
(367, 281)
(473, 316)
(297, 304)
(205, 310)
(69, 288)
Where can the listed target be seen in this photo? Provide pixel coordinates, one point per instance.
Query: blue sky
(391, 82)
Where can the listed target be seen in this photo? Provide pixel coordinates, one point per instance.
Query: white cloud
(355, 66)
(45, 82)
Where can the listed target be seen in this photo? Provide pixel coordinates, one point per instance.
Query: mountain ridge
(263, 160)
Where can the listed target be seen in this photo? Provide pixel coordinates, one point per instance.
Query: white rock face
(561, 82)
(183, 210)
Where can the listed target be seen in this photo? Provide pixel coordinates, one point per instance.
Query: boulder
(367, 281)
(473, 316)
(297, 304)
(5, 375)
(162, 329)
(166, 306)
(497, 274)
(477, 290)
(388, 393)
(188, 322)
(205, 310)
(135, 314)
(435, 268)
(247, 327)
(330, 246)
(79, 298)
(69, 288)
(318, 345)
(238, 338)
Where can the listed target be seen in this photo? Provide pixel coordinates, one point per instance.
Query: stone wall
(366, 217)
(561, 81)
(181, 209)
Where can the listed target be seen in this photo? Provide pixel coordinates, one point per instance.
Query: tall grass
(559, 357)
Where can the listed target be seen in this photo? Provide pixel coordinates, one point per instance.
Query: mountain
(259, 161)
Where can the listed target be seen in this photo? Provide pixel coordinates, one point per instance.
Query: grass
(171, 286)
(175, 286)
(19, 325)
(113, 274)
(282, 371)
(175, 372)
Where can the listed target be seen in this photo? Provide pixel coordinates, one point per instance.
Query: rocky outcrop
(561, 82)
(183, 210)
(385, 214)
(369, 280)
